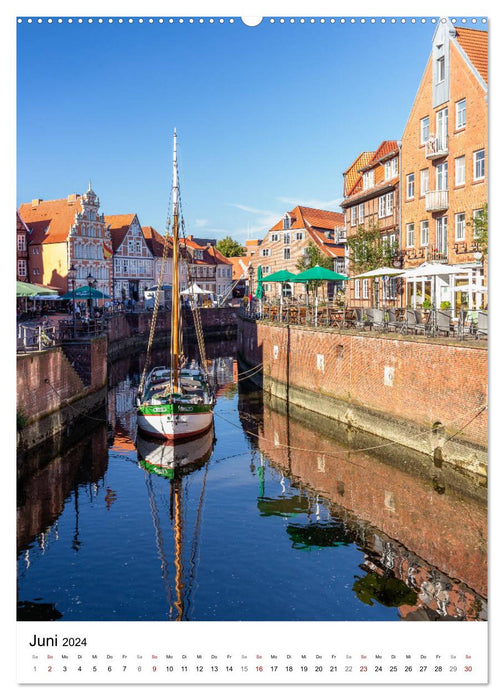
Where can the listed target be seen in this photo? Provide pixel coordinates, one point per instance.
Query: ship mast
(175, 313)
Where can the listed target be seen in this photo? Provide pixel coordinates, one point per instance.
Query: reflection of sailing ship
(176, 461)
(170, 459)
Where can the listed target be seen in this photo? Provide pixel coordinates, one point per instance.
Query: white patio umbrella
(467, 288)
(196, 289)
(379, 272)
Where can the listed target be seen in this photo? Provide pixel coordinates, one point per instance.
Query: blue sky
(268, 117)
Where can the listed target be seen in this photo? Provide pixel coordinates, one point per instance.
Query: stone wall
(425, 393)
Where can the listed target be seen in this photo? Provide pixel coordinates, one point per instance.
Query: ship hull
(174, 422)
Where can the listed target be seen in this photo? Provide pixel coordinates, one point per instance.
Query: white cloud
(258, 224)
(201, 222)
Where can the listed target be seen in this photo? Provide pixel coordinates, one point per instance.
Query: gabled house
(287, 242)
(66, 232)
(156, 243)
(444, 180)
(22, 232)
(133, 268)
(371, 205)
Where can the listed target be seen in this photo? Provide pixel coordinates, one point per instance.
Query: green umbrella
(280, 276)
(319, 274)
(86, 293)
(259, 288)
(26, 289)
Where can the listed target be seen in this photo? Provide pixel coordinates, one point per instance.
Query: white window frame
(442, 176)
(365, 289)
(424, 130)
(478, 165)
(460, 114)
(440, 69)
(460, 226)
(265, 252)
(22, 268)
(286, 238)
(424, 181)
(410, 186)
(361, 213)
(368, 179)
(300, 236)
(286, 253)
(357, 290)
(390, 168)
(424, 233)
(460, 171)
(353, 215)
(410, 235)
(275, 237)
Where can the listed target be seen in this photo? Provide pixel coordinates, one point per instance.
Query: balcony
(436, 147)
(436, 200)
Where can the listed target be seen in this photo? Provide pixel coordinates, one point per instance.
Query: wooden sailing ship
(176, 402)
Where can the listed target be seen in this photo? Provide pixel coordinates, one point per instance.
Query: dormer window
(368, 179)
(286, 222)
(440, 69)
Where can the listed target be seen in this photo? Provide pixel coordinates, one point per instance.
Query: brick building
(65, 232)
(208, 268)
(371, 204)
(133, 268)
(287, 242)
(155, 242)
(444, 163)
(22, 232)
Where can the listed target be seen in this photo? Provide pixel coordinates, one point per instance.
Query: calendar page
(252, 347)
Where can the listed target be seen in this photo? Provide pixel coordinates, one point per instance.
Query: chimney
(36, 202)
(72, 198)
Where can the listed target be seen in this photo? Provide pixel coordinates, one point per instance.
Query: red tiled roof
(119, 225)
(155, 242)
(50, 221)
(303, 217)
(352, 174)
(238, 264)
(385, 148)
(474, 42)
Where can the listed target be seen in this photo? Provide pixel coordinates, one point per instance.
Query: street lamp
(72, 277)
(91, 283)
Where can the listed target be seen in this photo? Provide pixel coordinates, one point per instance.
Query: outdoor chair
(443, 322)
(378, 320)
(394, 323)
(414, 321)
(464, 324)
(482, 329)
(363, 318)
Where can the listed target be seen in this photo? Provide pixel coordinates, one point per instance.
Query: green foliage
(426, 304)
(480, 224)
(230, 248)
(314, 256)
(370, 250)
(444, 305)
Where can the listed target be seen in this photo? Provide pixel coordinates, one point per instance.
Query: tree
(369, 249)
(313, 256)
(480, 227)
(230, 248)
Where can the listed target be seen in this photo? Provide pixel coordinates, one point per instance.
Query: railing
(436, 200)
(36, 337)
(436, 146)
(383, 320)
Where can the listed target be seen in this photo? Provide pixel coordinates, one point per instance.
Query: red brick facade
(444, 157)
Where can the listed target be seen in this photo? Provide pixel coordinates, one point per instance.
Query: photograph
(252, 332)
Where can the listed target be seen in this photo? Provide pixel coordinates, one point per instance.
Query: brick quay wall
(427, 394)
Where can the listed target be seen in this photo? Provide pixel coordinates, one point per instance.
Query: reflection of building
(387, 506)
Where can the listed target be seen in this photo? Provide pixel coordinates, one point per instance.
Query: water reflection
(269, 505)
(422, 536)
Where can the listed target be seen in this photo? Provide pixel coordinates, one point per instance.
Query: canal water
(275, 514)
